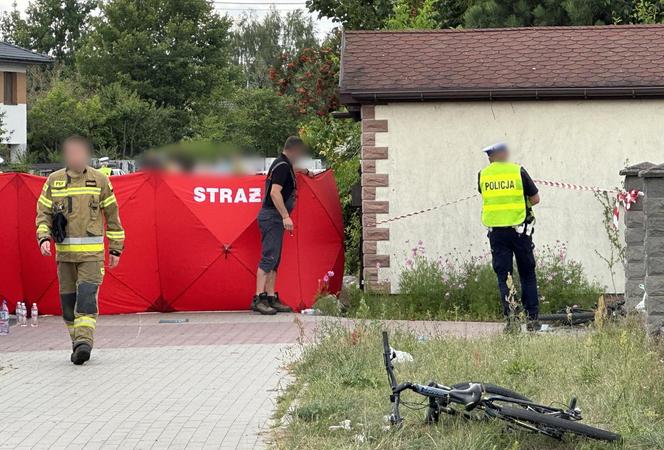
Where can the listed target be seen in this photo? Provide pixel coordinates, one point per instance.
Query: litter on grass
(343, 425)
(401, 357)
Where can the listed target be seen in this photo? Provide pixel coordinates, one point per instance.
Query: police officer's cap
(498, 147)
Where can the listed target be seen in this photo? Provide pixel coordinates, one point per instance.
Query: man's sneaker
(261, 305)
(81, 354)
(254, 301)
(276, 303)
(533, 325)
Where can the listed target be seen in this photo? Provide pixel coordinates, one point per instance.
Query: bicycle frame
(470, 399)
(431, 391)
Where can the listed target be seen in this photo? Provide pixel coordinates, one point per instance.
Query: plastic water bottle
(34, 315)
(4, 319)
(24, 315)
(18, 313)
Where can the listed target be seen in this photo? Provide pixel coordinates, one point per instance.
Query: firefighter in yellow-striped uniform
(71, 210)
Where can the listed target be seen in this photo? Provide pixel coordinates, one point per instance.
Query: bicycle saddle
(468, 397)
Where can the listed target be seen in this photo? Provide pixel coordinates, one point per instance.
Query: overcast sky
(233, 9)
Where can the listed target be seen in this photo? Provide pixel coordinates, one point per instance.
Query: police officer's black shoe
(276, 303)
(533, 325)
(81, 354)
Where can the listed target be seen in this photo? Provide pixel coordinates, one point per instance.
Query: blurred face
(501, 156)
(76, 155)
(296, 153)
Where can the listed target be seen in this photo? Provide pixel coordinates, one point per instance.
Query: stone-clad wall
(644, 236)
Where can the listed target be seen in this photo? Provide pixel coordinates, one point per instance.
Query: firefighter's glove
(59, 227)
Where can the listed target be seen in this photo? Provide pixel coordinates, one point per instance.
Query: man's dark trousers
(507, 244)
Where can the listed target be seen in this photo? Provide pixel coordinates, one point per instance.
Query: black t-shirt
(529, 187)
(281, 173)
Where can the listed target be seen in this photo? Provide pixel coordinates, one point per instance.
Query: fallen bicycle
(492, 402)
(574, 315)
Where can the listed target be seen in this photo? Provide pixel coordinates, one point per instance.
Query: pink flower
(330, 274)
(326, 278)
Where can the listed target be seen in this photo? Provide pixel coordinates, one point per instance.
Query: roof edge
(611, 27)
(38, 58)
(587, 93)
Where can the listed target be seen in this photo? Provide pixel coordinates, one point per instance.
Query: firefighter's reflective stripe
(43, 229)
(79, 248)
(85, 321)
(84, 240)
(108, 201)
(44, 201)
(67, 192)
(45, 187)
(115, 234)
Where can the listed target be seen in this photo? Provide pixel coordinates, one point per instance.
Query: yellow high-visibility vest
(503, 201)
(106, 170)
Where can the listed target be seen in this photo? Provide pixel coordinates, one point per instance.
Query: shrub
(467, 286)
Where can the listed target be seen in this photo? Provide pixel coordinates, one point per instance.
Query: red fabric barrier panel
(192, 244)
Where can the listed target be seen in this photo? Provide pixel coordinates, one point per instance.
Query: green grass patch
(616, 373)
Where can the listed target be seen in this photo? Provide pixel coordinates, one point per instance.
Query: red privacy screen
(192, 244)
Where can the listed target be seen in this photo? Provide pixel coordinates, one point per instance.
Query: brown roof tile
(601, 57)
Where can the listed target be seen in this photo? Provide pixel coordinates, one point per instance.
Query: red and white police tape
(624, 198)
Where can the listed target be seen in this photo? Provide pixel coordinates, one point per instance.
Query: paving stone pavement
(211, 382)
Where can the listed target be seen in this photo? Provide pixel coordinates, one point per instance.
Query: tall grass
(616, 373)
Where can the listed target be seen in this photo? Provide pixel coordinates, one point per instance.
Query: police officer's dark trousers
(507, 245)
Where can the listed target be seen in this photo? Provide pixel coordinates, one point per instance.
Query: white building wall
(14, 124)
(434, 156)
(14, 121)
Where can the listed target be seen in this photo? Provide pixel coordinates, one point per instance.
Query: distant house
(14, 61)
(574, 103)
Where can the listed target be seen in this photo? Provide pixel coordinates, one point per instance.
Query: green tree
(174, 52)
(414, 16)
(131, 124)
(260, 44)
(310, 79)
(54, 27)
(354, 14)
(648, 11)
(117, 121)
(337, 142)
(254, 119)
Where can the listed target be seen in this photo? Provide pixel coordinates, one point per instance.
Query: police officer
(71, 210)
(273, 219)
(508, 194)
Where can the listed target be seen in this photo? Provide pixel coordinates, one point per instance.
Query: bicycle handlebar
(387, 356)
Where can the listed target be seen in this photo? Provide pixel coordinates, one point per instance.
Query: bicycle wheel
(546, 424)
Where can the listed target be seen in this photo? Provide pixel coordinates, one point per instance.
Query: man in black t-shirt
(273, 219)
